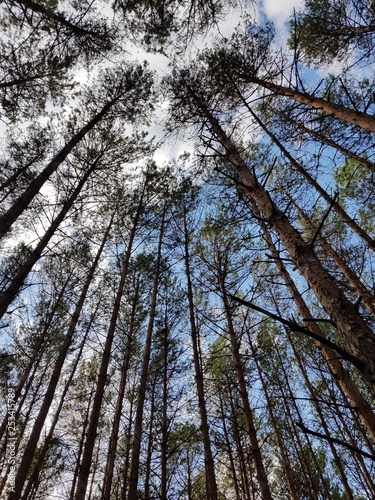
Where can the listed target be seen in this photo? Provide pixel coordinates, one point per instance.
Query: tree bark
(91, 434)
(353, 329)
(211, 486)
(357, 118)
(21, 204)
(137, 433)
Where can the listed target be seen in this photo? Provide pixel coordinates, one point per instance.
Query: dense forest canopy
(187, 234)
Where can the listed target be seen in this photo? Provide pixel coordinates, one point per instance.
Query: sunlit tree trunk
(353, 329)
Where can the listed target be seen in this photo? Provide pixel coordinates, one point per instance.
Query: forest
(187, 224)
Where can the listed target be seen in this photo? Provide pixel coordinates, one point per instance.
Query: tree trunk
(211, 486)
(43, 452)
(362, 120)
(137, 434)
(353, 329)
(323, 423)
(32, 443)
(85, 465)
(363, 293)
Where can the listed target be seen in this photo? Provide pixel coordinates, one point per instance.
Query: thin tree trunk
(323, 423)
(32, 443)
(150, 442)
(212, 493)
(33, 362)
(164, 423)
(43, 452)
(127, 449)
(91, 435)
(137, 434)
(325, 140)
(11, 292)
(229, 449)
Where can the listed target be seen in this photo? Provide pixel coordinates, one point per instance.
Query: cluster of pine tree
(200, 327)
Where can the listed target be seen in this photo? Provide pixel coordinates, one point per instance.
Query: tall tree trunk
(354, 331)
(11, 292)
(325, 140)
(340, 374)
(113, 441)
(250, 425)
(21, 204)
(128, 438)
(150, 441)
(137, 434)
(85, 465)
(208, 459)
(32, 443)
(34, 361)
(164, 422)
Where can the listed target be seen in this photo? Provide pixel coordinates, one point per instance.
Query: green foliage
(355, 185)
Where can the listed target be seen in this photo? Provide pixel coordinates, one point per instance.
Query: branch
(336, 441)
(358, 363)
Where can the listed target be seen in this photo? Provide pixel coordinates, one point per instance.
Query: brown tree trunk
(43, 452)
(85, 465)
(354, 331)
(150, 442)
(325, 140)
(32, 442)
(208, 459)
(137, 434)
(363, 292)
(324, 426)
(362, 120)
(229, 449)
